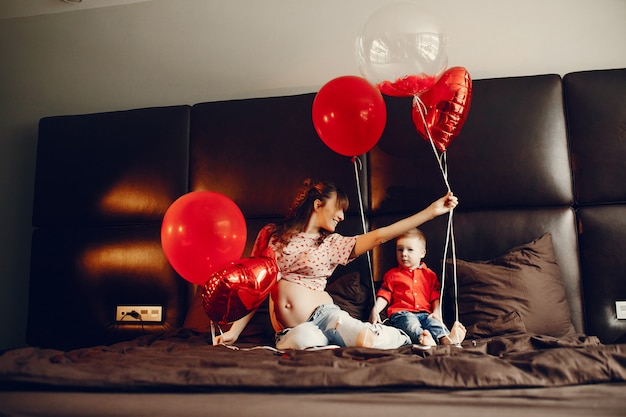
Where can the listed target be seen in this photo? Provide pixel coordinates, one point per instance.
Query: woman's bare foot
(426, 339)
(365, 338)
(457, 334)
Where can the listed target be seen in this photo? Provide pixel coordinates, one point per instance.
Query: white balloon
(402, 47)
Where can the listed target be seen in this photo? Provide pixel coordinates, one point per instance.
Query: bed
(537, 269)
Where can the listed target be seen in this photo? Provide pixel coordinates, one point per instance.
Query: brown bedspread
(185, 360)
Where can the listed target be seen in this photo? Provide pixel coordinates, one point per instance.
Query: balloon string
(358, 165)
(213, 325)
(213, 332)
(233, 347)
(450, 241)
(422, 110)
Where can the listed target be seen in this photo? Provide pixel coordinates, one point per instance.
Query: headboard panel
(103, 183)
(512, 152)
(110, 168)
(596, 116)
(267, 147)
(596, 113)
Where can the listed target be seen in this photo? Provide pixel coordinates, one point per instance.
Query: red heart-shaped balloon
(235, 290)
(444, 107)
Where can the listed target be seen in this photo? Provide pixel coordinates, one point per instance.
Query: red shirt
(410, 290)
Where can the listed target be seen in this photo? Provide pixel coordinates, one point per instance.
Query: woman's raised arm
(370, 240)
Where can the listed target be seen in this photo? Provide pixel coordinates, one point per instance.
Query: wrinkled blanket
(185, 360)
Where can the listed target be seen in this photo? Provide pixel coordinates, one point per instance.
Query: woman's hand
(231, 336)
(373, 238)
(444, 205)
(226, 338)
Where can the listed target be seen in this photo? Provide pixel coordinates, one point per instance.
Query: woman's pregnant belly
(292, 304)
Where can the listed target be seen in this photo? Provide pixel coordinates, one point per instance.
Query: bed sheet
(184, 360)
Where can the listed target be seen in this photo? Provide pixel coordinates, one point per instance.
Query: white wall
(165, 52)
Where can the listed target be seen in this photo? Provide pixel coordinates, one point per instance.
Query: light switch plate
(620, 309)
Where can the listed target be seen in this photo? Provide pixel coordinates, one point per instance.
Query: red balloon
(235, 290)
(446, 106)
(201, 231)
(349, 115)
(407, 86)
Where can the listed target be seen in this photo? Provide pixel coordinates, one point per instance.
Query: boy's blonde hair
(413, 233)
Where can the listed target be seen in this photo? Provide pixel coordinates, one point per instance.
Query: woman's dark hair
(302, 207)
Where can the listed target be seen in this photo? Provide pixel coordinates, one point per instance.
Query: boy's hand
(436, 317)
(375, 317)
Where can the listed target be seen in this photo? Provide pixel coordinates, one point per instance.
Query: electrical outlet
(620, 309)
(143, 314)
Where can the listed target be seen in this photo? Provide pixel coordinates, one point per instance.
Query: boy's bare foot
(426, 339)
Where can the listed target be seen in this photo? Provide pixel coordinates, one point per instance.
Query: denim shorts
(414, 324)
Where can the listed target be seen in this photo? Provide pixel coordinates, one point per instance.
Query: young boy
(411, 291)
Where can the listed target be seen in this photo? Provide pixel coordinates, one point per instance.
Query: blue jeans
(329, 325)
(414, 324)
